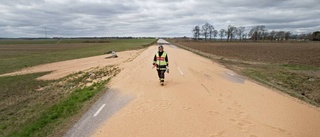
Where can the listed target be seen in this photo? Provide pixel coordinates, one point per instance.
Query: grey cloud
(150, 17)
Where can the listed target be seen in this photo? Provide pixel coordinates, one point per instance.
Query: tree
(240, 32)
(206, 30)
(196, 32)
(244, 36)
(280, 35)
(230, 32)
(221, 33)
(211, 30)
(272, 35)
(215, 33)
(265, 34)
(234, 33)
(287, 35)
(256, 32)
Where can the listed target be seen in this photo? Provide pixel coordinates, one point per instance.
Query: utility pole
(45, 30)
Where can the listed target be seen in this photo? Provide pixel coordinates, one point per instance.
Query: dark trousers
(161, 75)
(161, 70)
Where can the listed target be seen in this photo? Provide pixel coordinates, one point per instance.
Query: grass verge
(49, 108)
(50, 119)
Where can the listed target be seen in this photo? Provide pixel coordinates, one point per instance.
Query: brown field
(277, 53)
(289, 67)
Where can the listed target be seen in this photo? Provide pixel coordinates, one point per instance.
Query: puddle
(234, 77)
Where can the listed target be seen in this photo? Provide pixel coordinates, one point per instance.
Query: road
(200, 98)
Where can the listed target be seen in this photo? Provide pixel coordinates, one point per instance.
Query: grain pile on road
(200, 98)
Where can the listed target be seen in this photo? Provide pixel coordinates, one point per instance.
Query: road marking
(180, 71)
(95, 114)
(230, 74)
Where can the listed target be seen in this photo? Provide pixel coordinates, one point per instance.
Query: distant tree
(244, 36)
(309, 36)
(315, 36)
(206, 30)
(287, 35)
(221, 33)
(230, 32)
(234, 33)
(256, 33)
(215, 34)
(264, 34)
(211, 31)
(272, 35)
(240, 32)
(280, 35)
(196, 32)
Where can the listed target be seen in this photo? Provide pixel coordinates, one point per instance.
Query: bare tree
(221, 33)
(240, 32)
(230, 32)
(265, 34)
(309, 36)
(280, 35)
(244, 36)
(234, 33)
(211, 31)
(196, 32)
(287, 35)
(215, 34)
(256, 32)
(273, 35)
(206, 30)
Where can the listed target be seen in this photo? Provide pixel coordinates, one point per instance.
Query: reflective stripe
(162, 68)
(160, 58)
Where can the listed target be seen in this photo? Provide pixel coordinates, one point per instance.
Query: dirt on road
(201, 98)
(64, 68)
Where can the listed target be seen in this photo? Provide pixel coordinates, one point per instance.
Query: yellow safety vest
(161, 60)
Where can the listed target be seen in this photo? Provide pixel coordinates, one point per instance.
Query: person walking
(160, 61)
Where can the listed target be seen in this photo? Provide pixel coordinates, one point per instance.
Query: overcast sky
(170, 18)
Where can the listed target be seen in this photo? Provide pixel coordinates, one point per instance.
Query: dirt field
(279, 53)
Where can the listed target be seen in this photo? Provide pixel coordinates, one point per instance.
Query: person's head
(160, 48)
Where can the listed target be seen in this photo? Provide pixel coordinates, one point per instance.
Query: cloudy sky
(170, 18)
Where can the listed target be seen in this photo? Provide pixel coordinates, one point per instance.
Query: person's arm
(154, 60)
(167, 60)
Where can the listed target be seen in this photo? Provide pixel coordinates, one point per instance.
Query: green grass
(24, 41)
(22, 57)
(27, 111)
(58, 113)
(17, 94)
(294, 84)
(300, 67)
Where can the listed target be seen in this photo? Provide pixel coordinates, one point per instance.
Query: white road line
(230, 73)
(180, 71)
(95, 114)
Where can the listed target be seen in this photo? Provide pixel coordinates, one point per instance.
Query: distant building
(315, 36)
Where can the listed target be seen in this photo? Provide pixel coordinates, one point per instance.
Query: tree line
(259, 32)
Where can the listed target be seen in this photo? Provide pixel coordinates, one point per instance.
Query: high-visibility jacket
(161, 61)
